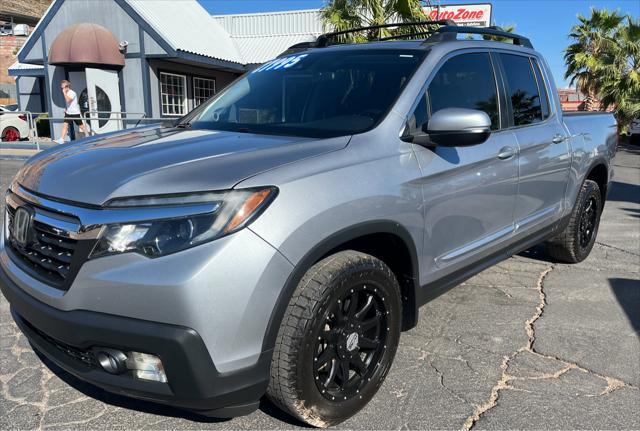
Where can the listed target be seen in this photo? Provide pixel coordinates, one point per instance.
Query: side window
(544, 97)
(522, 89)
(466, 81)
(419, 117)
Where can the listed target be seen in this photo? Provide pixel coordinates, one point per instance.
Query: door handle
(559, 138)
(506, 153)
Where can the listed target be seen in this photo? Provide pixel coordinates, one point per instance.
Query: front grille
(48, 254)
(82, 355)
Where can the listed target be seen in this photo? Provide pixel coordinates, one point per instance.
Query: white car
(13, 126)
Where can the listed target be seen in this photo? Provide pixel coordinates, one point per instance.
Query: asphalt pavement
(527, 344)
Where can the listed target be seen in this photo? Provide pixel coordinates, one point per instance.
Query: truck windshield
(313, 94)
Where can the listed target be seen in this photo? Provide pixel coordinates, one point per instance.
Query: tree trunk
(591, 102)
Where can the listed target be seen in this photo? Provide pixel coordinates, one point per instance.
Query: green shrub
(42, 126)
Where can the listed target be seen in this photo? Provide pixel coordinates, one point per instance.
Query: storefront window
(203, 89)
(173, 93)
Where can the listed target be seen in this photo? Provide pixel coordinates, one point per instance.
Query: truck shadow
(538, 252)
(627, 292)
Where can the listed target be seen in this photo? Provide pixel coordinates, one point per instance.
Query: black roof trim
(323, 39)
(447, 31)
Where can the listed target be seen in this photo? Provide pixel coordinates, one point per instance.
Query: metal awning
(87, 44)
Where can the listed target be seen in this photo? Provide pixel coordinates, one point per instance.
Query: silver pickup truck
(280, 237)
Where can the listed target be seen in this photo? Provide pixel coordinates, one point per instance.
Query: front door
(104, 100)
(469, 192)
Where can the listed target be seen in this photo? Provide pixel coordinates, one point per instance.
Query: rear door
(469, 192)
(543, 141)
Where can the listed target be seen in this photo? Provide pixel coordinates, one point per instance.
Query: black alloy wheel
(351, 343)
(337, 340)
(588, 221)
(575, 241)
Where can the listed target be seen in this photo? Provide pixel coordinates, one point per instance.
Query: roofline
(283, 12)
(145, 26)
(38, 29)
(213, 61)
(254, 36)
(31, 71)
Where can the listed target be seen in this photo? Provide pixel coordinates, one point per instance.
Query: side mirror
(458, 127)
(419, 137)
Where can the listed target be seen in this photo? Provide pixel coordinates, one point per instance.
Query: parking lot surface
(528, 344)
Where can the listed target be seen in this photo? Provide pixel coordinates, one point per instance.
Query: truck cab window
(466, 81)
(522, 89)
(544, 97)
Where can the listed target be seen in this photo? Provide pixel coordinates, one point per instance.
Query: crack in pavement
(45, 376)
(605, 245)
(445, 387)
(613, 383)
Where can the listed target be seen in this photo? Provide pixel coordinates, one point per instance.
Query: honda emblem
(21, 226)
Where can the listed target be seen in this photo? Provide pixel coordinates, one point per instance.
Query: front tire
(575, 242)
(337, 340)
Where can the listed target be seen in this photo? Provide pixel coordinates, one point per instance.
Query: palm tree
(339, 15)
(604, 62)
(619, 73)
(592, 37)
(509, 28)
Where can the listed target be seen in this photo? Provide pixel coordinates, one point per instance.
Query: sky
(545, 22)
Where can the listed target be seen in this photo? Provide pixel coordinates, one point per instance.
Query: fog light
(112, 361)
(146, 367)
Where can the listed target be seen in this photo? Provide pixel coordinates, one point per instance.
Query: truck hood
(158, 160)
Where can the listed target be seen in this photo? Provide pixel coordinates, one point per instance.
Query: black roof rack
(323, 39)
(446, 31)
(450, 32)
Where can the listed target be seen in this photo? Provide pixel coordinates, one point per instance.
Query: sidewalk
(23, 150)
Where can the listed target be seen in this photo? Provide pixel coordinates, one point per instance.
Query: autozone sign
(474, 15)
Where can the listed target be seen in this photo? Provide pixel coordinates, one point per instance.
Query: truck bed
(595, 123)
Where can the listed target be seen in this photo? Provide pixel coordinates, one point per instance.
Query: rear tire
(575, 242)
(10, 134)
(337, 340)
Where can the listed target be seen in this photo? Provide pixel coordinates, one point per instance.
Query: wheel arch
(599, 172)
(373, 238)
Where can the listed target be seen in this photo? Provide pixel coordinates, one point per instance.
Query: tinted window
(466, 81)
(418, 117)
(544, 98)
(319, 94)
(522, 89)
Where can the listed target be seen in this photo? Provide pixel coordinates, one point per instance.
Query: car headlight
(233, 210)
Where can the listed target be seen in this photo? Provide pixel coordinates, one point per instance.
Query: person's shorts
(75, 118)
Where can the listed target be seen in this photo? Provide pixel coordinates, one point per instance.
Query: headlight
(234, 210)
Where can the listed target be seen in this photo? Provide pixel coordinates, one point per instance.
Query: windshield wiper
(186, 125)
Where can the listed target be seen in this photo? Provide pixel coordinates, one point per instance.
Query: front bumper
(194, 383)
